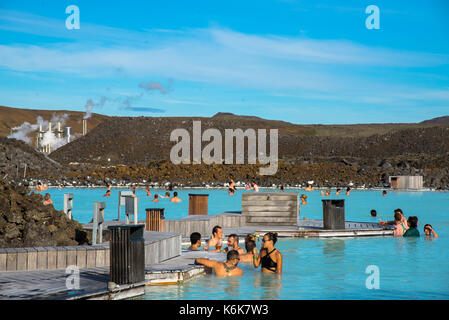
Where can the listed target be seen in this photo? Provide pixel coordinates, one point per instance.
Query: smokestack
(59, 132)
(84, 127)
(67, 133)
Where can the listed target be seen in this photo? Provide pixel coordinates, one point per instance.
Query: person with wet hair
(373, 213)
(401, 225)
(175, 197)
(223, 269)
(412, 231)
(195, 241)
(394, 222)
(250, 245)
(429, 231)
(269, 258)
(348, 190)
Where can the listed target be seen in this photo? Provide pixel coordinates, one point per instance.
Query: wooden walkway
(93, 282)
(50, 284)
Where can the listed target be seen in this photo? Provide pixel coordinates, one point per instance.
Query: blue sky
(298, 61)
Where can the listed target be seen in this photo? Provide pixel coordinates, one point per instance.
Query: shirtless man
(47, 199)
(233, 244)
(327, 194)
(175, 197)
(394, 222)
(147, 190)
(195, 241)
(309, 188)
(156, 196)
(215, 241)
(224, 269)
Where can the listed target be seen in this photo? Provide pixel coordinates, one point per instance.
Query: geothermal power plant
(60, 135)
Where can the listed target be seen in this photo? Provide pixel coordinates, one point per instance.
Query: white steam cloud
(23, 131)
(90, 104)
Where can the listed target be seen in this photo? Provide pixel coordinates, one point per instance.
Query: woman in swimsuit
(270, 258)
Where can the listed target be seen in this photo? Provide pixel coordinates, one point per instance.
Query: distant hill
(439, 120)
(14, 117)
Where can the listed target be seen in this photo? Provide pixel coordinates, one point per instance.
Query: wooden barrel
(155, 219)
(198, 204)
(333, 214)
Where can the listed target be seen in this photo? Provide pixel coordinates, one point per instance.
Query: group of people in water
(248, 186)
(406, 227)
(268, 257)
(156, 196)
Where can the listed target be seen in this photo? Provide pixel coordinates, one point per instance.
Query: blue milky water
(314, 268)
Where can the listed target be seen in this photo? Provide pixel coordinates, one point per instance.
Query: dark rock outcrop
(26, 222)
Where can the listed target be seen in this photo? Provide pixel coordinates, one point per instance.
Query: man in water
(338, 192)
(384, 193)
(233, 244)
(223, 269)
(147, 190)
(394, 222)
(309, 188)
(373, 213)
(195, 241)
(175, 197)
(216, 240)
(156, 196)
(47, 199)
(348, 190)
(327, 194)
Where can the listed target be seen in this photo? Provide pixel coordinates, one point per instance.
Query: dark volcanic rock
(26, 222)
(15, 154)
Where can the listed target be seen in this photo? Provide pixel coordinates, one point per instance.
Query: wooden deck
(93, 284)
